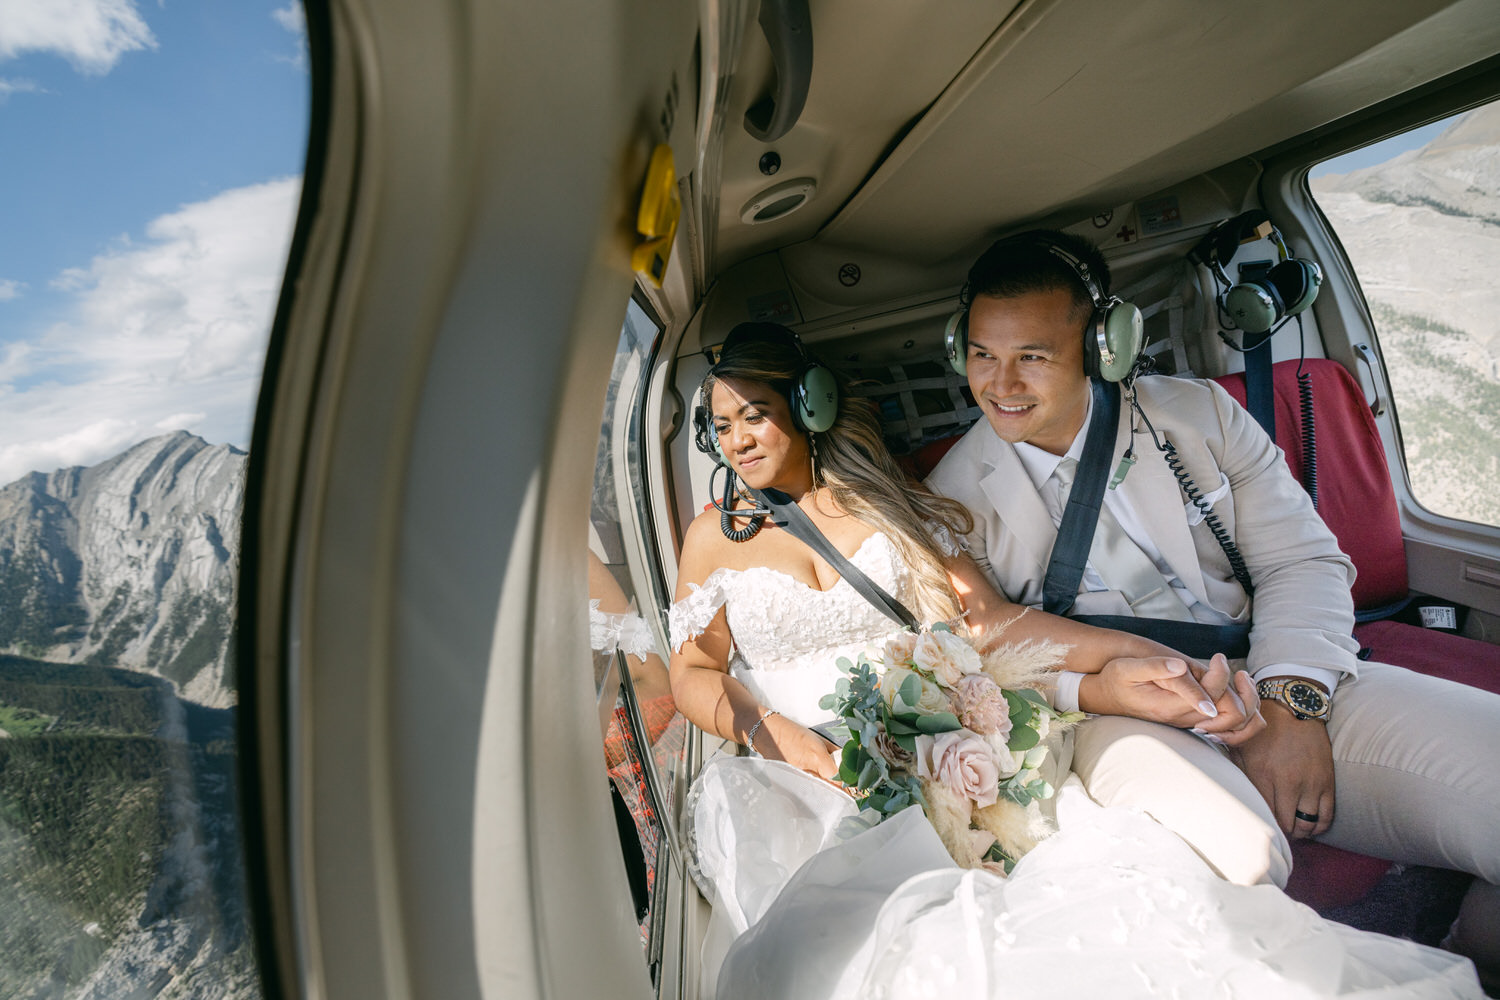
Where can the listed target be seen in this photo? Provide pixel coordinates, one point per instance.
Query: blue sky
(1379, 152)
(152, 152)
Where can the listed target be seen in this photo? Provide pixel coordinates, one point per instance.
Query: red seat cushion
(1355, 497)
(926, 458)
(1440, 654)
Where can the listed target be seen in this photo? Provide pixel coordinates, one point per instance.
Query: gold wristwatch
(1306, 699)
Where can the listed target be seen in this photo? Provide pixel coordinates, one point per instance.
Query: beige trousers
(1416, 780)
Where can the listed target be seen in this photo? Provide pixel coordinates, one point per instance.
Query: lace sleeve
(628, 632)
(690, 616)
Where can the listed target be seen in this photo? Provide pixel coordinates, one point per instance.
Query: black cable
(1309, 430)
(757, 515)
(1195, 497)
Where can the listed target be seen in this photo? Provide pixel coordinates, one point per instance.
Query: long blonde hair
(852, 461)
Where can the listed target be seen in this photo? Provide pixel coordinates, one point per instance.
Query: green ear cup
(1297, 282)
(705, 437)
(815, 404)
(956, 342)
(1253, 305)
(1119, 336)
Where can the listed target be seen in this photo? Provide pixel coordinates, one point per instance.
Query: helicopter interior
(487, 254)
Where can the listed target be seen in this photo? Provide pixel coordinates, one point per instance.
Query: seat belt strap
(1070, 552)
(1194, 639)
(1260, 394)
(786, 514)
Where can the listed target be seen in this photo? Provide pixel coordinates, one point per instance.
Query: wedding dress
(810, 900)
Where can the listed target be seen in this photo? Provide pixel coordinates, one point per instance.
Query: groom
(1365, 756)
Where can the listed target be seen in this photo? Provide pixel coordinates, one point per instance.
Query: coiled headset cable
(1305, 407)
(727, 512)
(1196, 498)
(1309, 430)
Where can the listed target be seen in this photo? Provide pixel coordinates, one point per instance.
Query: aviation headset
(1112, 340)
(1258, 303)
(813, 399)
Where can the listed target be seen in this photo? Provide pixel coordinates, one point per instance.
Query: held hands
(1166, 689)
(1291, 764)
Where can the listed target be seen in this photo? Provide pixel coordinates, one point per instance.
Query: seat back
(1355, 496)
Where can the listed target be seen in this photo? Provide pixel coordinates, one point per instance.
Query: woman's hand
(1173, 691)
(779, 738)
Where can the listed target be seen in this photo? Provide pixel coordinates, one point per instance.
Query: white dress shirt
(1040, 466)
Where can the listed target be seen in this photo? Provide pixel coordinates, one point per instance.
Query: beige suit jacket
(1302, 611)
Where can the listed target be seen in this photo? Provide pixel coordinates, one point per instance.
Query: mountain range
(129, 563)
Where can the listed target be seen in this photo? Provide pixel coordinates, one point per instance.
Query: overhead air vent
(778, 200)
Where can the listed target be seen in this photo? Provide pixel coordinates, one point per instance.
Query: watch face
(1306, 699)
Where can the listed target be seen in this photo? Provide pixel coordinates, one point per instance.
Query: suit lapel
(1153, 492)
(1008, 488)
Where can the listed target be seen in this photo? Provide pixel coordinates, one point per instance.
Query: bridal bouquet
(934, 723)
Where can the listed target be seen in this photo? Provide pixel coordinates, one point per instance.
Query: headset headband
(1082, 270)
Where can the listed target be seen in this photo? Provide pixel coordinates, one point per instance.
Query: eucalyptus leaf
(1021, 710)
(910, 690)
(1023, 738)
(1035, 697)
(843, 664)
(906, 742)
(940, 722)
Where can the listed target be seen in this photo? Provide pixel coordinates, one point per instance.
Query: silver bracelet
(750, 736)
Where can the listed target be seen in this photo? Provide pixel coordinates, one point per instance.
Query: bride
(811, 901)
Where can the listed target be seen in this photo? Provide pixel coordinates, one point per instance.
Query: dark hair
(1017, 265)
(852, 462)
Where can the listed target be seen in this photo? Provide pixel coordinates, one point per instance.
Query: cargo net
(919, 402)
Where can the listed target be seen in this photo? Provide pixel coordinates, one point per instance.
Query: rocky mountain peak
(128, 563)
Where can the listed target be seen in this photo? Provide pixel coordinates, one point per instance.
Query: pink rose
(962, 762)
(982, 707)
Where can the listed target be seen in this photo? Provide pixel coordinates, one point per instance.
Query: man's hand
(1291, 764)
(1171, 691)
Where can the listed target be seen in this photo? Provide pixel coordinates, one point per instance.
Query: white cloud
(163, 335)
(90, 34)
(179, 421)
(292, 18)
(10, 289)
(85, 446)
(17, 86)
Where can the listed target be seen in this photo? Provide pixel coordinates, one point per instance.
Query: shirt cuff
(1324, 676)
(1065, 698)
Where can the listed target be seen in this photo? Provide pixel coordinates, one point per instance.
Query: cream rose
(898, 649)
(946, 656)
(932, 699)
(962, 762)
(981, 706)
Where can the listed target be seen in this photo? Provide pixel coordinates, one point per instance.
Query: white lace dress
(809, 901)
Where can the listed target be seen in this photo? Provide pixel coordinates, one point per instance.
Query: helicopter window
(644, 736)
(152, 166)
(1419, 217)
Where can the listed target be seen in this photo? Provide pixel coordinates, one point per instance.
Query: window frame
(1443, 552)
